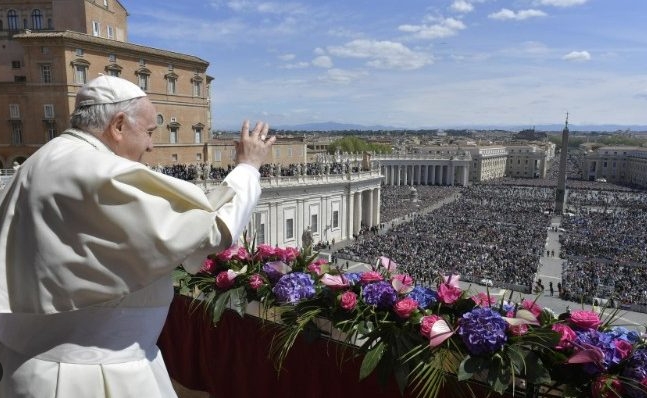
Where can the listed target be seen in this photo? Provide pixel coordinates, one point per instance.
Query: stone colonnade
(363, 209)
(447, 173)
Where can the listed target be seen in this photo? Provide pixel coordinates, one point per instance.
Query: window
(80, 74)
(335, 219)
(15, 64)
(277, 152)
(112, 58)
(173, 135)
(51, 132)
(46, 73)
(289, 228)
(159, 119)
(217, 156)
(12, 20)
(113, 71)
(232, 154)
(170, 84)
(260, 228)
(96, 28)
(197, 135)
(111, 32)
(44, 50)
(48, 111)
(105, 3)
(314, 225)
(289, 152)
(14, 111)
(198, 157)
(79, 52)
(36, 19)
(174, 157)
(197, 86)
(142, 78)
(16, 133)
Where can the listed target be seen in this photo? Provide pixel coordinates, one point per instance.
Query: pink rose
(226, 254)
(426, 324)
(370, 276)
(224, 280)
(567, 336)
(405, 307)
(241, 254)
(348, 300)
(448, 293)
(289, 254)
(532, 307)
(606, 387)
(255, 281)
(208, 266)
(585, 319)
(623, 347)
(484, 300)
(314, 268)
(518, 330)
(265, 252)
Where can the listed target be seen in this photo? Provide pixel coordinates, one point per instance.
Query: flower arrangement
(423, 335)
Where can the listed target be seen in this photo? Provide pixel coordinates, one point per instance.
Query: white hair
(95, 118)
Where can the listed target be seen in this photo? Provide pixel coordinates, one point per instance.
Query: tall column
(397, 176)
(466, 178)
(369, 207)
(376, 206)
(560, 192)
(450, 177)
(350, 216)
(433, 174)
(425, 172)
(357, 221)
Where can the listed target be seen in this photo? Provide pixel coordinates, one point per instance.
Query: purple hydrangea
(620, 332)
(605, 342)
(636, 370)
(483, 331)
(353, 278)
(272, 270)
(294, 287)
(424, 296)
(379, 294)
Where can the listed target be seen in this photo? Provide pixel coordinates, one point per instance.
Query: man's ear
(116, 127)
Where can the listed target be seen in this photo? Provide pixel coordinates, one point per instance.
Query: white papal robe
(88, 241)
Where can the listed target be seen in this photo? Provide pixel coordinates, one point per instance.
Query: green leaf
(536, 372)
(371, 359)
(469, 366)
(219, 307)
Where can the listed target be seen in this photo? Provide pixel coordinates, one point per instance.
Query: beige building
(488, 163)
(618, 164)
(527, 161)
(51, 48)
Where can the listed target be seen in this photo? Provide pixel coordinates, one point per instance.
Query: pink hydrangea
(518, 330)
(225, 279)
(265, 252)
(209, 265)
(314, 268)
(289, 254)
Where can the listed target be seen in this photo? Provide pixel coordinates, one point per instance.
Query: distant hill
(335, 126)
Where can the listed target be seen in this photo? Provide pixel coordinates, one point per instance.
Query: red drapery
(232, 360)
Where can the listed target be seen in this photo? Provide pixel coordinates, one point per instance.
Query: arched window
(143, 76)
(12, 20)
(80, 67)
(36, 19)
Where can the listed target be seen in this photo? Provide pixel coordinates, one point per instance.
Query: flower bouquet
(424, 336)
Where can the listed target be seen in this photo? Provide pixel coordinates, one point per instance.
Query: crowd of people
(605, 247)
(401, 201)
(491, 231)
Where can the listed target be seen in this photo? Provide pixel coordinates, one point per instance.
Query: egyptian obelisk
(560, 193)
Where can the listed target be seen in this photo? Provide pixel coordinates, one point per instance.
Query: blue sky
(411, 63)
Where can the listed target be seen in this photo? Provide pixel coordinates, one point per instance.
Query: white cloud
(287, 57)
(297, 65)
(445, 28)
(462, 6)
(266, 7)
(342, 76)
(506, 14)
(561, 3)
(319, 51)
(382, 54)
(322, 61)
(580, 56)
